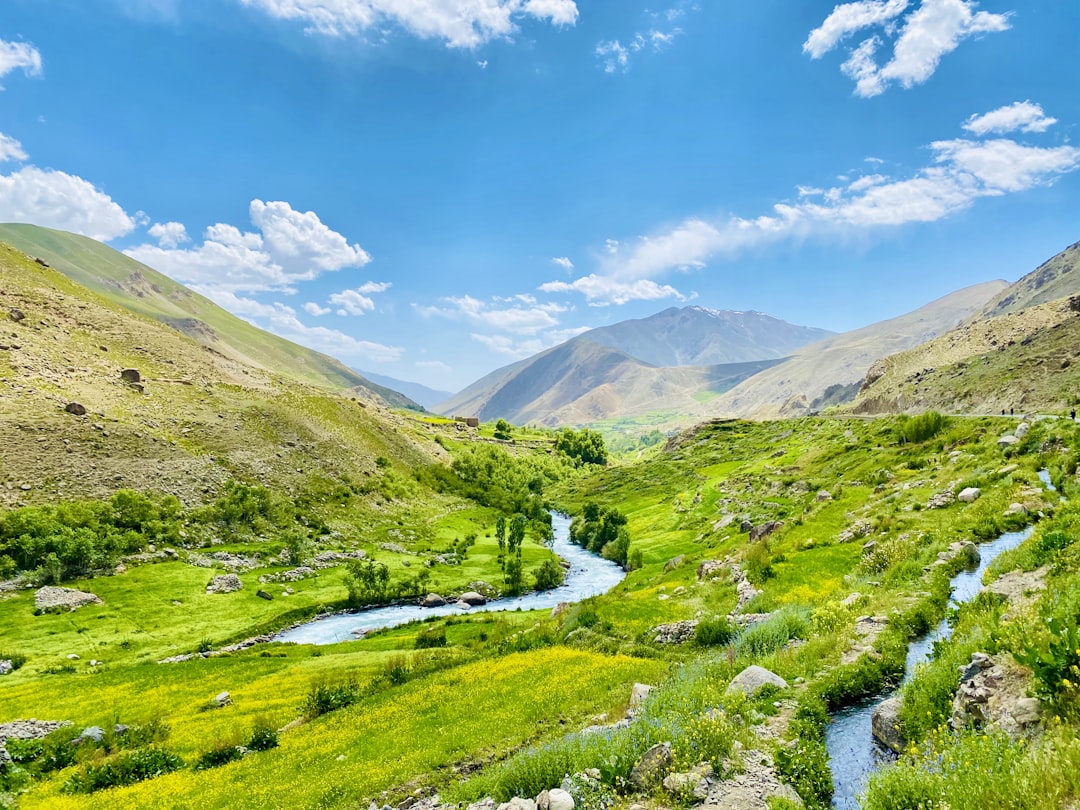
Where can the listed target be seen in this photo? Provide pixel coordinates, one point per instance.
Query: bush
(125, 769)
(429, 637)
(548, 576)
(917, 429)
(220, 754)
(714, 632)
(397, 670)
(17, 659)
(329, 696)
(771, 635)
(263, 737)
(806, 768)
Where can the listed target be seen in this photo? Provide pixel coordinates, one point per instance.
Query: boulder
(1015, 509)
(16, 315)
(674, 562)
(693, 784)
(710, 568)
(1022, 430)
(765, 529)
(969, 495)
(222, 699)
(994, 694)
(517, 803)
(264, 595)
(638, 693)
(869, 548)
(52, 598)
(433, 600)
(823, 496)
(76, 408)
(676, 632)
(885, 724)
(6, 666)
(753, 678)
(1007, 441)
(746, 526)
(473, 599)
(130, 375)
(226, 583)
(93, 734)
(651, 769)
(559, 799)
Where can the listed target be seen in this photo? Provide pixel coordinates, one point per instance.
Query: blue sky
(434, 188)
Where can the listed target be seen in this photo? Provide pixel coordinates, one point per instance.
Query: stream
(588, 575)
(854, 754)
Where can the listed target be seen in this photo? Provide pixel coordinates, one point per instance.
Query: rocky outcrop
(1020, 589)
(30, 729)
(964, 550)
(941, 500)
(885, 724)
(753, 678)
(226, 583)
(675, 632)
(867, 630)
(53, 599)
(651, 769)
(693, 784)
(710, 569)
(995, 694)
(765, 529)
(751, 788)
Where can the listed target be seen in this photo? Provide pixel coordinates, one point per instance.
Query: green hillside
(142, 289)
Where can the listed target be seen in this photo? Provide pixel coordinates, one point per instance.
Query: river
(588, 575)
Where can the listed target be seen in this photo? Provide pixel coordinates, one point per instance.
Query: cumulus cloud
(63, 201)
(19, 55)
(169, 234)
(961, 171)
(920, 39)
(357, 302)
(11, 149)
(282, 320)
(1022, 116)
(523, 320)
(563, 262)
(291, 246)
(518, 349)
(459, 23)
(311, 308)
(614, 57)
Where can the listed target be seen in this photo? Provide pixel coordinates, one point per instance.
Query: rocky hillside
(667, 362)
(145, 291)
(94, 398)
(805, 381)
(1056, 278)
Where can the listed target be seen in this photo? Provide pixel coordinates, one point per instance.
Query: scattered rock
(17, 315)
(76, 408)
(473, 599)
(856, 531)
(638, 693)
(969, 495)
(651, 769)
(995, 695)
(823, 496)
(676, 632)
(752, 787)
(222, 699)
(765, 529)
(941, 500)
(54, 599)
(93, 734)
(30, 729)
(559, 799)
(394, 548)
(1007, 441)
(226, 583)
(693, 784)
(885, 724)
(751, 679)
(711, 568)
(432, 600)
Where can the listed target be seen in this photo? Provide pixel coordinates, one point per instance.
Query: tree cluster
(602, 531)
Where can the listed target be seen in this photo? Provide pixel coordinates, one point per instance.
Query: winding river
(588, 575)
(853, 753)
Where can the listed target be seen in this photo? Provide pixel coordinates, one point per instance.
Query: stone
(995, 694)
(1022, 430)
(560, 609)
(16, 315)
(52, 598)
(885, 724)
(674, 563)
(1009, 469)
(753, 678)
(651, 769)
(130, 375)
(823, 496)
(765, 529)
(1020, 589)
(711, 568)
(473, 599)
(222, 699)
(869, 548)
(91, 734)
(851, 599)
(7, 666)
(559, 799)
(1015, 509)
(433, 600)
(226, 583)
(517, 803)
(693, 784)
(638, 693)
(76, 408)
(264, 595)
(751, 787)
(941, 500)
(676, 632)
(969, 495)
(30, 729)
(1007, 441)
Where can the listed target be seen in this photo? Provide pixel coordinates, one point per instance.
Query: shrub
(329, 696)
(429, 637)
(805, 767)
(713, 632)
(917, 429)
(220, 754)
(263, 737)
(771, 635)
(758, 562)
(125, 769)
(397, 670)
(548, 576)
(17, 659)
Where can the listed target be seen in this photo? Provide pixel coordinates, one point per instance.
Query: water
(588, 575)
(854, 754)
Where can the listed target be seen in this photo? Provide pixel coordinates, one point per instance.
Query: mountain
(145, 291)
(696, 336)
(421, 394)
(813, 373)
(1055, 278)
(670, 361)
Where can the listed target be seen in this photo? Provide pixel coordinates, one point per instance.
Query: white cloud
(920, 39)
(1023, 116)
(11, 149)
(563, 262)
(434, 365)
(961, 172)
(292, 246)
(522, 320)
(520, 349)
(169, 234)
(16, 55)
(60, 200)
(846, 19)
(357, 302)
(460, 23)
(282, 320)
(614, 57)
(311, 308)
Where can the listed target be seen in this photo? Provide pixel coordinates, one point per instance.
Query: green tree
(548, 576)
(503, 430)
(584, 446)
(368, 582)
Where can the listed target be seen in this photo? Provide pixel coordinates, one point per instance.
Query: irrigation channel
(854, 754)
(588, 575)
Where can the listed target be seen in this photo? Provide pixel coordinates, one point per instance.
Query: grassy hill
(142, 289)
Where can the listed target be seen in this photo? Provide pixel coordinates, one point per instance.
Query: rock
(851, 599)
(969, 495)
(5, 758)
(638, 693)
(264, 595)
(1022, 430)
(72, 657)
(869, 548)
(941, 500)
(6, 666)
(30, 729)
(226, 583)
(711, 568)
(1007, 441)
(16, 315)
(473, 599)
(1015, 509)
(52, 598)
(674, 562)
(76, 408)
(559, 799)
(517, 803)
(651, 769)
(1020, 589)
(222, 699)
(885, 724)
(823, 496)
(856, 531)
(130, 375)
(433, 600)
(751, 787)
(560, 609)
(92, 734)
(693, 784)
(1008, 470)
(992, 694)
(751, 679)
(119, 729)
(746, 526)
(676, 632)
(765, 529)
